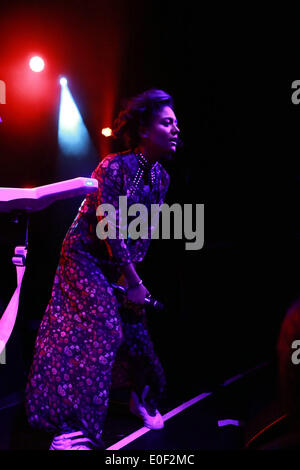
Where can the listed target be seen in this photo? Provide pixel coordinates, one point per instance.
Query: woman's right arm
(136, 290)
(108, 174)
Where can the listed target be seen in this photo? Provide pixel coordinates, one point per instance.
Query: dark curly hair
(138, 112)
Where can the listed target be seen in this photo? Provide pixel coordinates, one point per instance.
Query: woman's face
(161, 137)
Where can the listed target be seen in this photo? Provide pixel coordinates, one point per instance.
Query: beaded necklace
(144, 166)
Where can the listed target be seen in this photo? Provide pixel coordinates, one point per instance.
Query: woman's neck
(150, 157)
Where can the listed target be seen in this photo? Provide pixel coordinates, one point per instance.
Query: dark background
(225, 302)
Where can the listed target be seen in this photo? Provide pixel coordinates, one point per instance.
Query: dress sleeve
(110, 186)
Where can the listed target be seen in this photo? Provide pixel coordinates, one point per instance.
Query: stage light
(106, 131)
(73, 137)
(36, 64)
(63, 81)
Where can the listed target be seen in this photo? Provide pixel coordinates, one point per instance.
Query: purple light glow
(228, 422)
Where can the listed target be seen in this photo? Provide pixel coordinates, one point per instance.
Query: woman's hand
(137, 294)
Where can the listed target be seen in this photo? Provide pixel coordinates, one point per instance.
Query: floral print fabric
(89, 336)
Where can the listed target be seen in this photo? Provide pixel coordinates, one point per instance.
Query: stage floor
(212, 420)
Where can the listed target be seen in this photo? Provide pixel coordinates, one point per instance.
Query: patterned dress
(88, 330)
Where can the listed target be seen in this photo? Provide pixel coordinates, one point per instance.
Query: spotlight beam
(73, 137)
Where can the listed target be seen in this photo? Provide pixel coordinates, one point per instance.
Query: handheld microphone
(152, 303)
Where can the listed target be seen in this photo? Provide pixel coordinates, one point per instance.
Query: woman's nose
(175, 129)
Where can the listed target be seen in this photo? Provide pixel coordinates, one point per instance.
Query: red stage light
(36, 64)
(106, 131)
